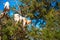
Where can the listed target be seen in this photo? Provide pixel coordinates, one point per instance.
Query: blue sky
(13, 3)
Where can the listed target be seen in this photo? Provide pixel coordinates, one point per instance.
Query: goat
(22, 19)
(16, 17)
(6, 7)
(25, 22)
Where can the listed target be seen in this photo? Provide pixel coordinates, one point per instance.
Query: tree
(12, 31)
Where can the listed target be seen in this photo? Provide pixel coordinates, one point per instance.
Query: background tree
(51, 31)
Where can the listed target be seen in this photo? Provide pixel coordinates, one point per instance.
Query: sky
(13, 2)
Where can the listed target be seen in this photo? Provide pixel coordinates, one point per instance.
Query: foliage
(12, 31)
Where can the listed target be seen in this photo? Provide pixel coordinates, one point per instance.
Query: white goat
(6, 9)
(16, 17)
(22, 19)
(6, 5)
(25, 22)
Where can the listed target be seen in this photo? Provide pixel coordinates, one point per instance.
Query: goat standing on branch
(6, 7)
(16, 18)
(19, 18)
